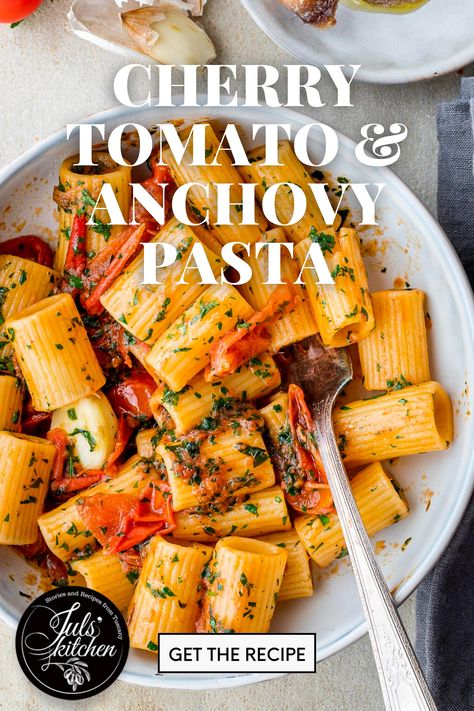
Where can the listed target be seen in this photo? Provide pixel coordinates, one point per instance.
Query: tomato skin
(29, 246)
(132, 396)
(34, 422)
(121, 521)
(16, 10)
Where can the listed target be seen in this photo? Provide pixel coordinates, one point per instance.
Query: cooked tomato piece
(248, 340)
(34, 422)
(57, 570)
(61, 441)
(121, 521)
(29, 247)
(106, 515)
(132, 396)
(124, 432)
(104, 268)
(160, 176)
(314, 494)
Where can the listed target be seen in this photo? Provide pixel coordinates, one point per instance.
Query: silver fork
(322, 373)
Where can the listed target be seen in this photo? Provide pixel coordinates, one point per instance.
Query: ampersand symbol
(381, 151)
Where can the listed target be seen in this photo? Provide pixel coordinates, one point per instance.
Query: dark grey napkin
(445, 599)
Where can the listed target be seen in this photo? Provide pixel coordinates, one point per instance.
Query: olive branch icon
(75, 671)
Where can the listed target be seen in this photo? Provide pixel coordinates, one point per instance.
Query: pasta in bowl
(172, 469)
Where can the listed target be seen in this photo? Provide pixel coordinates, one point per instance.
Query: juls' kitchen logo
(72, 643)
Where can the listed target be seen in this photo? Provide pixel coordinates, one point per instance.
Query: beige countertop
(49, 78)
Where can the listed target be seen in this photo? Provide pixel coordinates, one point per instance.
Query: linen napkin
(445, 599)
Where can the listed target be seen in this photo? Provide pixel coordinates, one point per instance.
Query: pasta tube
(297, 581)
(63, 528)
(379, 505)
(22, 283)
(25, 466)
(200, 398)
(293, 324)
(167, 595)
(201, 203)
(397, 348)
(11, 403)
(275, 413)
(343, 310)
(147, 441)
(263, 512)
(184, 348)
(244, 578)
(147, 310)
(291, 171)
(412, 420)
(227, 463)
(103, 572)
(54, 353)
(77, 193)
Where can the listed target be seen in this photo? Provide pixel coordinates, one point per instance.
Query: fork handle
(401, 678)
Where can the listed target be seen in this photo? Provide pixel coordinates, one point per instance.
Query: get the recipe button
(236, 653)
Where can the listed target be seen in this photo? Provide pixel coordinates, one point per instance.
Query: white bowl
(412, 246)
(392, 48)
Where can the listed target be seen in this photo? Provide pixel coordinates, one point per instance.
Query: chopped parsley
(326, 241)
(91, 440)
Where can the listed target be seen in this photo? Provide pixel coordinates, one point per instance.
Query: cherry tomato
(28, 246)
(121, 521)
(16, 10)
(132, 396)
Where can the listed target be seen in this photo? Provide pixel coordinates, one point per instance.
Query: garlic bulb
(122, 26)
(166, 33)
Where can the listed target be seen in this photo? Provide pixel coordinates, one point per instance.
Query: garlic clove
(168, 35)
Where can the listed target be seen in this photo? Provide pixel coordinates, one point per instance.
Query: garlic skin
(177, 40)
(168, 35)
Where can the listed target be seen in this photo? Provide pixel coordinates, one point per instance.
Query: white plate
(392, 48)
(413, 247)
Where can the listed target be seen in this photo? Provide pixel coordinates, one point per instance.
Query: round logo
(72, 643)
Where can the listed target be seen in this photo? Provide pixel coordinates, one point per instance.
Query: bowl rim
(464, 298)
(382, 76)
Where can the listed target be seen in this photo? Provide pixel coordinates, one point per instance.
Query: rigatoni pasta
(77, 193)
(291, 171)
(11, 403)
(184, 348)
(146, 310)
(201, 398)
(103, 572)
(55, 354)
(297, 581)
(407, 421)
(231, 462)
(275, 414)
(22, 283)
(343, 310)
(397, 349)
(379, 505)
(25, 465)
(244, 578)
(294, 323)
(200, 203)
(167, 593)
(262, 512)
(149, 415)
